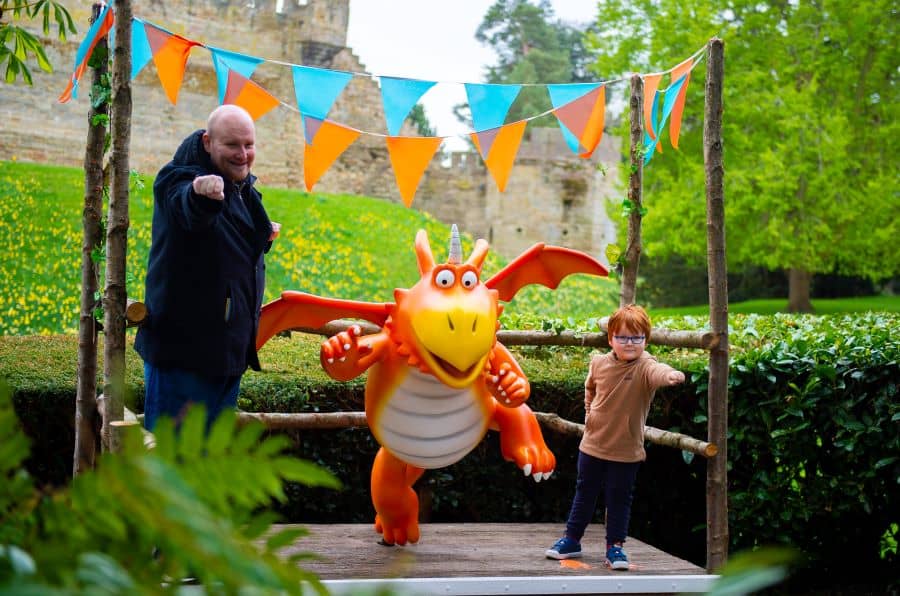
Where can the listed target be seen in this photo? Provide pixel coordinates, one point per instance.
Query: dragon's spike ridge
(455, 257)
(423, 253)
(476, 259)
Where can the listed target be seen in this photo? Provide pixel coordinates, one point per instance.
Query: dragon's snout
(462, 323)
(458, 337)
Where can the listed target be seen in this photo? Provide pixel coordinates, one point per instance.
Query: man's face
(232, 146)
(622, 343)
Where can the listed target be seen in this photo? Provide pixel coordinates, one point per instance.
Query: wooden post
(635, 181)
(716, 470)
(87, 418)
(118, 430)
(115, 294)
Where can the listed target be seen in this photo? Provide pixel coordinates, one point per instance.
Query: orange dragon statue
(438, 379)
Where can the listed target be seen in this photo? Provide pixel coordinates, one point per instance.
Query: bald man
(206, 271)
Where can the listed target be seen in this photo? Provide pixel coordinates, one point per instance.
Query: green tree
(532, 46)
(810, 131)
(18, 46)
(420, 120)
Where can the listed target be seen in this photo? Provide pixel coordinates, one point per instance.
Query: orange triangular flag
(409, 158)
(584, 118)
(484, 140)
(593, 132)
(243, 92)
(503, 151)
(170, 55)
(331, 140)
(651, 84)
(675, 123)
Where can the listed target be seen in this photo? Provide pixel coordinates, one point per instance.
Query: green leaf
(886, 461)
(193, 429)
(100, 120)
(104, 573)
(306, 472)
(285, 537)
(19, 561)
(613, 253)
(259, 524)
(221, 433)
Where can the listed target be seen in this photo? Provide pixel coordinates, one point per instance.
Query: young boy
(617, 393)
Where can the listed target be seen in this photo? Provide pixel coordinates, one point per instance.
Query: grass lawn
(340, 246)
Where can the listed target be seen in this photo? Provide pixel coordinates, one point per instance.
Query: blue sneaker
(616, 558)
(565, 548)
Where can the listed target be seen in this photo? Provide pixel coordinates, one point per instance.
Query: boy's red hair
(632, 316)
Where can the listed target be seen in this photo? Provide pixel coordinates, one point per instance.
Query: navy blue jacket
(206, 273)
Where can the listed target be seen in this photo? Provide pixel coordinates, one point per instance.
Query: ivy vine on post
(115, 295)
(633, 204)
(87, 415)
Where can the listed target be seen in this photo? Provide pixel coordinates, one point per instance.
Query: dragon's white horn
(455, 257)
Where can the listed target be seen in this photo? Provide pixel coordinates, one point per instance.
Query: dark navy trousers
(169, 392)
(616, 481)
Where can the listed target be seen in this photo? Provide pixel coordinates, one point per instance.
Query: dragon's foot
(536, 461)
(394, 533)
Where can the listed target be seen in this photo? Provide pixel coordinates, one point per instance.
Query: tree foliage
(810, 129)
(420, 120)
(18, 46)
(197, 500)
(532, 46)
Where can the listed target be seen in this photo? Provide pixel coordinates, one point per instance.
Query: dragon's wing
(298, 309)
(545, 265)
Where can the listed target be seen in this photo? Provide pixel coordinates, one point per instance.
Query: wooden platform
(487, 559)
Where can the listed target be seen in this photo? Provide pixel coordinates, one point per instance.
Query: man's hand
(676, 377)
(210, 186)
(276, 229)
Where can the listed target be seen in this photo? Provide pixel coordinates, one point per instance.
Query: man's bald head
(227, 113)
(230, 140)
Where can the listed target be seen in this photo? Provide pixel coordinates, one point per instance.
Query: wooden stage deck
(487, 559)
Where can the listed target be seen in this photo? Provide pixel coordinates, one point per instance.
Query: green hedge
(813, 438)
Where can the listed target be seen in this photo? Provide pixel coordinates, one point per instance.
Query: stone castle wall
(552, 196)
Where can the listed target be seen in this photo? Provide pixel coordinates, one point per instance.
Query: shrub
(812, 452)
(199, 501)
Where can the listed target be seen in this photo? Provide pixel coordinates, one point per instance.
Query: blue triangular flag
(141, 53)
(490, 104)
(223, 61)
(399, 96)
(571, 140)
(316, 89)
(671, 94)
(562, 94)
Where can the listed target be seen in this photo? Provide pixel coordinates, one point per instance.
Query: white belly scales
(430, 425)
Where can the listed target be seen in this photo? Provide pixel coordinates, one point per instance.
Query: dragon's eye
(469, 279)
(444, 278)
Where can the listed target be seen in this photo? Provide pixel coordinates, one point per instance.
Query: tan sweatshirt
(617, 396)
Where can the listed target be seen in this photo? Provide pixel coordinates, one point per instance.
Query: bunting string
(578, 107)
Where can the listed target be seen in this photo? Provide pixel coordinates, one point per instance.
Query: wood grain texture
(351, 551)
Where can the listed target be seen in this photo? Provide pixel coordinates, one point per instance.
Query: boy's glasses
(629, 339)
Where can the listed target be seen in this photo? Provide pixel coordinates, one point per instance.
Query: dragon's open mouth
(450, 369)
